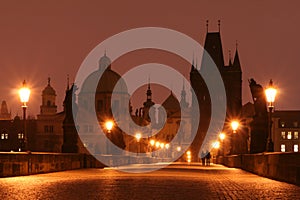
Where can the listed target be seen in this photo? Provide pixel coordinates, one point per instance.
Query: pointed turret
(183, 102)
(236, 61)
(213, 47)
(4, 114)
(148, 103)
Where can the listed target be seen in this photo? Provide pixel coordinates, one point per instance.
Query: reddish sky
(51, 38)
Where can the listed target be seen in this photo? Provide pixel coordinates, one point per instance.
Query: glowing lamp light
(216, 145)
(167, 146)
(109, 125)
(162, 145)
(178, 148)
(222, 136)
(152, 142)
(157, 144)
(24, 94)
(270, 93)
(138, 136)
(235, 125)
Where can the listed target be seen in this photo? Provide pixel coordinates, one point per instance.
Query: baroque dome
(48, 89)
(107, 82)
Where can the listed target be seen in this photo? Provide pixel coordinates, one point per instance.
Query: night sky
(51, 38)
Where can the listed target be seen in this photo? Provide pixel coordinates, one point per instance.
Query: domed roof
(104, 62)
(106, 83)
(48, 89)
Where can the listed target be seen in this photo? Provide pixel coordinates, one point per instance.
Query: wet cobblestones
(176, 183)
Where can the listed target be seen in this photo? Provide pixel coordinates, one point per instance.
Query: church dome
(48, 89)
(104, 62)
(106, 83)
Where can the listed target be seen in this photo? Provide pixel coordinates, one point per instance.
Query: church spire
(236, 61)
(183, 103)
(219, 25)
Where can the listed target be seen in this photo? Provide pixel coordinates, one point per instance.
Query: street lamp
(109, 126)
(234, 126)
(222, 138)
(152, 143)
(24, 94)
(270, 95)
(138, 136)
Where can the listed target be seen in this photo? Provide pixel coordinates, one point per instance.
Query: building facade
(285, 131)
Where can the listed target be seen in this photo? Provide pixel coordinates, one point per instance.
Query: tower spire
(49, 79)
(219, 25)
(183, 102)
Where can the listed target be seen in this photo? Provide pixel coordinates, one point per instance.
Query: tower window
(296, 135)
(289, 136)
(295, 147)
(282, 148)
(282, 134)
(48, 103)
(20, 136)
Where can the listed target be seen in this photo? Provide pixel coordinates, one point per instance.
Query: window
(282, 124)
(282, 134)
(282, 148)
(20, 136)
(6, 136)
(289, 136)
(295, 123)
(296, 135)
(295, 147)
(2, 136)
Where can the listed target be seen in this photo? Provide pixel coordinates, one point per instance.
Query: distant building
(104, 106)
(232, 78)
(4, 114)
(285, 132)
(49, 132)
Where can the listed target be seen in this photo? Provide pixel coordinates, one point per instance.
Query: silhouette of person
(203, 158)
(208, 156)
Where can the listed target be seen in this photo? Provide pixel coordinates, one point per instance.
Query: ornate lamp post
(270, 95)
(234, 126)
(24, 94)
(109, 126)
(138, 136)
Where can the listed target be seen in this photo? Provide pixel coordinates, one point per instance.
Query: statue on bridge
(259, 125)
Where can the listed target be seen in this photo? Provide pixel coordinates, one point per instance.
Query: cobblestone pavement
(175, 182)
